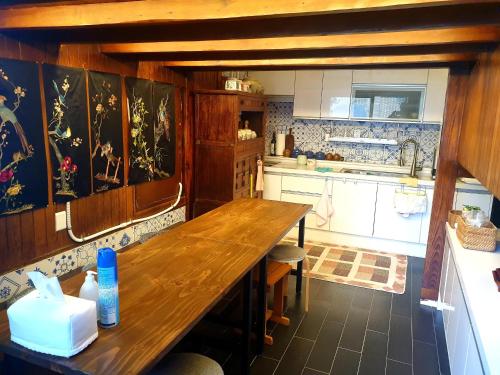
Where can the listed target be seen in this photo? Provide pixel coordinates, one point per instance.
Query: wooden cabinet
(435, 95)
(307, 101)
(391, 225)
(353, 204)
(223, 164)
(391, 76)
(336, 94)
(276, 82)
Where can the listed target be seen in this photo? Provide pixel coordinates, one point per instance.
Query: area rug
(355, 266)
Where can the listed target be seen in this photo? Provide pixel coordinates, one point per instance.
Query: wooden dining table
(169, 283)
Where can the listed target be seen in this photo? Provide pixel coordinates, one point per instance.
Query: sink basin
(374, 173)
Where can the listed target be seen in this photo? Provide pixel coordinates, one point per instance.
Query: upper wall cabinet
(436, 95)
(275, 82)
(308, 86)
(391, 76)
(336, 95)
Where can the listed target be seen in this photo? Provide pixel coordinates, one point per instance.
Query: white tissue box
(62, 328)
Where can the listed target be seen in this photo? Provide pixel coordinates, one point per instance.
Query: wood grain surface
(167, 284)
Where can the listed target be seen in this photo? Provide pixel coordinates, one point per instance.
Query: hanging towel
(324, 208)
(407, 203)
(259, 183)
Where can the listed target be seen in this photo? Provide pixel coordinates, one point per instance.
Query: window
(385, 102)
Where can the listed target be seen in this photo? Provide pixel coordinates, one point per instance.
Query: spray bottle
(107, 271)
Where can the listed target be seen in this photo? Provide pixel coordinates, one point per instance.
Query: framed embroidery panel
(164, 130)
(106, 137)
(141, 129)
(23, 166)
(68, 133)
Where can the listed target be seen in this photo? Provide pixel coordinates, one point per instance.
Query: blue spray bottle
(107, 273)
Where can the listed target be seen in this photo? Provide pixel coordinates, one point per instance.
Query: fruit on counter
(287, 153)
(320, 155)
(329, 156)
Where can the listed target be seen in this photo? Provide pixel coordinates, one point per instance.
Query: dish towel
(408, 203)
(324, 208)
(259, 183)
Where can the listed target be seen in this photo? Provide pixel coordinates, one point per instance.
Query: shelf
(373, 141)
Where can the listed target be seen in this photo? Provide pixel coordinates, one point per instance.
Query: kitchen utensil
(289, 140)
(280, 143)
(302, 160)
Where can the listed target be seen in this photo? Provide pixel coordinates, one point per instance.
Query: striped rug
(355, 266)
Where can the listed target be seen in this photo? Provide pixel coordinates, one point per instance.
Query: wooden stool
(187, 363)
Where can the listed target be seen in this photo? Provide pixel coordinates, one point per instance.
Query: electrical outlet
(60, 220)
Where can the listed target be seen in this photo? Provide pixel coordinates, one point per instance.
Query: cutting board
(289, 141)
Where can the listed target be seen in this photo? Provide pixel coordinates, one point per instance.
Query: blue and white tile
(9, 287)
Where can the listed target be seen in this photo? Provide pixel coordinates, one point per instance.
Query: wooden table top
(169, 283)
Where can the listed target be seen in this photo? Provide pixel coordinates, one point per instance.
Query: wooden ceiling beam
(427, 37)
(327, 61)
(150, 12)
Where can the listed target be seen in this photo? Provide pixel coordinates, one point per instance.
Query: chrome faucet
(413, 168)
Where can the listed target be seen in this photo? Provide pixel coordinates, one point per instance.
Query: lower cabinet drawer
(305, 184)
(311, 219)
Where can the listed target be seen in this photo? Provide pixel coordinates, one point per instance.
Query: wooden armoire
(224, 164)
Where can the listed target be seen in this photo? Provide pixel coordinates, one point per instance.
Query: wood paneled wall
(31, 236)
(479, 150)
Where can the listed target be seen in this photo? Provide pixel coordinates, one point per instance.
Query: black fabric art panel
(23, 166)
(106, 140)
(164, 130)
(141, 129)
(66, 104)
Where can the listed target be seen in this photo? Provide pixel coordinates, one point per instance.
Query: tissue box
(62, 328)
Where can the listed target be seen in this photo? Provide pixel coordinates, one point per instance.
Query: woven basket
(452, 217)
(483, 238)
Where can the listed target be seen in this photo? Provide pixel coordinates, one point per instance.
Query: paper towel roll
(280, 144)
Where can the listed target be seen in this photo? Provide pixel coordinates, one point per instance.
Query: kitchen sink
(373, 173)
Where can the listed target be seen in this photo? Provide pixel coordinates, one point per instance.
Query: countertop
(474, 269)
(282, 165)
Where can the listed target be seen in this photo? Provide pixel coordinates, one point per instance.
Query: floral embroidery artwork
(65, 100)
(164, 130)
(106, 130)
(141, 136)
(23, 167)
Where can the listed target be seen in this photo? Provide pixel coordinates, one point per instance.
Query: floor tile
(400, 342)
(263, 365)
(295, 358)
(401, 303)
(363, 298)
(354, 330)
(309, 371)
(346, 363)
(398, 368)
(423, 324)
(425, 360)
(380, 312)
(444, 364)
(324, 349)
(282, 335)
(313, 320)
(374, 354)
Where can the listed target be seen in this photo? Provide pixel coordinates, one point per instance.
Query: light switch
(60, 220)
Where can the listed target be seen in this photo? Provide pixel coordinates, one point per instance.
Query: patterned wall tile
(310, 136)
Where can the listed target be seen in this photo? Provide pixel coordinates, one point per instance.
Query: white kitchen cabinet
(426, 218)
(353, 207)
(310, 185)
(473, 362)
(307, 101)
(336, 94)
(435, 95)
(311, 221)
(483, 200)
(272, 187)
(391, 225)
(275, 82)
(390, 76)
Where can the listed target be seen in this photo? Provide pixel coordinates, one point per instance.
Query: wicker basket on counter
(453, 215)
(474, 238)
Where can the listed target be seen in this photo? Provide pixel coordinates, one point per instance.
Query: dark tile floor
(351, 330)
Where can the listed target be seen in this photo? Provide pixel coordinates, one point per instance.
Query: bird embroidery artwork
(164, 130)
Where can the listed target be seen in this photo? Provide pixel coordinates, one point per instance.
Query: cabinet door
(311, 220)
(473, 363)
(391, 225)
(276, 82)
(426, 218)
(307, 101)
(353, 207)
(272, 187)
(391, 76)
(336, 94)
(435, 95)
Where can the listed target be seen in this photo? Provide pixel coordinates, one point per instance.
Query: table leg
(302, 226)
(261, 305)
(247, 324)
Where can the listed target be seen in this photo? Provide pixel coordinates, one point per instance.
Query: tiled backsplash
(16, 282)
(310, 135)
